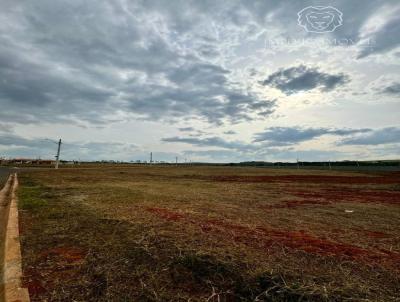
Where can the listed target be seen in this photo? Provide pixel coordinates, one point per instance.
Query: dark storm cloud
(204, 92)
(31, 92)
(95, 61)
(83, 60)
(377, 137)
(303, 78)
(282, 136)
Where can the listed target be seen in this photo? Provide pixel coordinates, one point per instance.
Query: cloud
(392, 89)
(214, 102)
(283, 136)
(385, 37)
(12, 145)
(387, 135)
(193, 132)
(186, 129)
(210, 142)
(89, 60)
(388, 84)
(14, 140)
(5, 128)
(302, 78)
(222, 155)
(270, 137)
(94, 63)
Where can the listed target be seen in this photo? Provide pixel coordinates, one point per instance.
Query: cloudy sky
(203, 80)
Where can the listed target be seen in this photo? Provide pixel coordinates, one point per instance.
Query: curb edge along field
(12, 266)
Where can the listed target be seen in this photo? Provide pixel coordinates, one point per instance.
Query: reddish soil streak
(68, 254)
(295, 204)
(331, 195)
(32, 282)
(63, 257)
(392, 178)
(298, 240)
(165, 213)
(264, 238)
(377, 235)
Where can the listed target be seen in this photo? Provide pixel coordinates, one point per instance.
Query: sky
(209, 81)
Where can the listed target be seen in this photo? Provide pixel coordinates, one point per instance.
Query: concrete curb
(12, 267)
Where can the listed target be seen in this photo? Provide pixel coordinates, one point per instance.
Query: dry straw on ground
(210, 234)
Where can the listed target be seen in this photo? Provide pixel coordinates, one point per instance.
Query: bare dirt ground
(210, 234)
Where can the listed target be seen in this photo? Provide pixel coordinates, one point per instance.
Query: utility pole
(151, 157)
(176, 160)
(58, 154)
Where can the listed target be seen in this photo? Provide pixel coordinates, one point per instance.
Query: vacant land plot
(210, 234)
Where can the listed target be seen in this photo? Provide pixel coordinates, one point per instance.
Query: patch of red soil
(385, 179)
(260, 237)
(166, 214)
(295, 204)
(377, 235)
(64, 260)
(361, 196)
(24, 224)
(44, 279)
(33, 283)
(68, 254)
(336, 194)
(300, 240)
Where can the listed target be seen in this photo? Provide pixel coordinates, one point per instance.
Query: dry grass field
(153, 233)
(3, 176)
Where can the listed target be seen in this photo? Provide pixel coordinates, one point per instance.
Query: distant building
(27, 161)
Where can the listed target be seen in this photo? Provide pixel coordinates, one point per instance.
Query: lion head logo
(320, 19)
